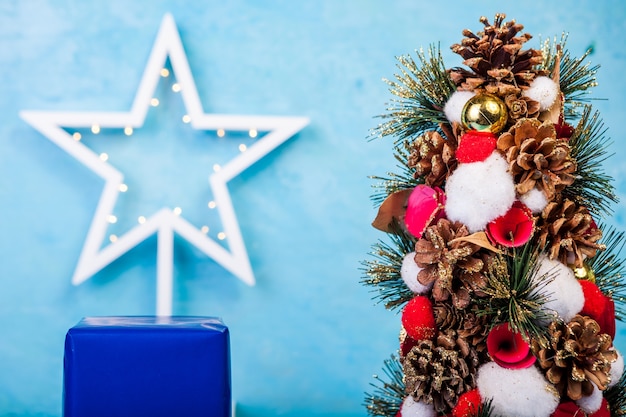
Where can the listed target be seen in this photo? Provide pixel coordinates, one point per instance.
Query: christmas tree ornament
(468, 405)
(595, 302)
(425, 206)
(508, 348)
(514, 228)
(418, 319)
(475, 146)
(484, 113)
(585, 273)
(519, 287)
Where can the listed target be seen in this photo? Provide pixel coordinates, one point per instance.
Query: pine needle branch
(592, 187)
(486, 410)
(383, 272)
(422, 89)
(393, 182)
(609, 270)
(388, 394)
(516, 295)
(576, 77)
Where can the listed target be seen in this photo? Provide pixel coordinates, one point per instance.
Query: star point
(165, 222)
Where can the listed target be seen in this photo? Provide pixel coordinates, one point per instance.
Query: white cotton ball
(479, 192)
(454, 106)
(516, 392)
(535, 200)
(617, 369)
(409, 271)
(412, 408)
(543, 90)
(592, 403)
(565, 295)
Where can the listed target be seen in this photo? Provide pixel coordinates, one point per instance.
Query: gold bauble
(485, 113)
(585, 273)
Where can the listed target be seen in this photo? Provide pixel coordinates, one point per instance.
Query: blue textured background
(307, 338)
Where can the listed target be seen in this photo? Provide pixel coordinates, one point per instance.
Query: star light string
(165, 222)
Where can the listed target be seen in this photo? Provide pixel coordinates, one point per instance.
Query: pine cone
(577, 357)
(568, 232)
(466, 327)
(437, 374)
(494, 55)
(432, 156)
(452, 265)
(521, 107)
(537, 158)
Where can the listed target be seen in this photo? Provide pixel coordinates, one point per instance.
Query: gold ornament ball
(585, 273)
(485, 113)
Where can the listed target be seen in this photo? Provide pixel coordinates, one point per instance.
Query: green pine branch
(609, 270)
(393, 182)
(422, 89)
(516, 294)
(592, 186)
(576, 77)
(388, 394)
(383, 272)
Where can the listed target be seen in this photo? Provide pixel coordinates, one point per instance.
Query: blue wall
(307, 338)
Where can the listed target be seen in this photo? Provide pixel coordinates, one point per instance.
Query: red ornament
(571, 409)
(406, 343)
(508, 349)
(418, 318)
(467, 404)
(514, 228)
(568, 409)
(599, 307)
(607, 323)
(425, 206)
(475, 146)
(563, 129)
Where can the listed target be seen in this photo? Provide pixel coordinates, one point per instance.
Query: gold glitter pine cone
(450, 263)
(439, 374)
(577, 357)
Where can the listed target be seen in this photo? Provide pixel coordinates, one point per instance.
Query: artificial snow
(454, 106)
(409, 271)
(516, 392)
(479, 192)
(543, 90)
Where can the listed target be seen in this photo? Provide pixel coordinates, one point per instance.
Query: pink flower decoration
(508, 349)
(514, 228)
(425, 206)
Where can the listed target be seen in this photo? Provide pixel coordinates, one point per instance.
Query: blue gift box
(147, 366)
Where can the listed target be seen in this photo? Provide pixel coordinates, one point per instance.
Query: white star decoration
(164, 222)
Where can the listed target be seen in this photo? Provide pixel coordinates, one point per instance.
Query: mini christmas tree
(508, 282)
